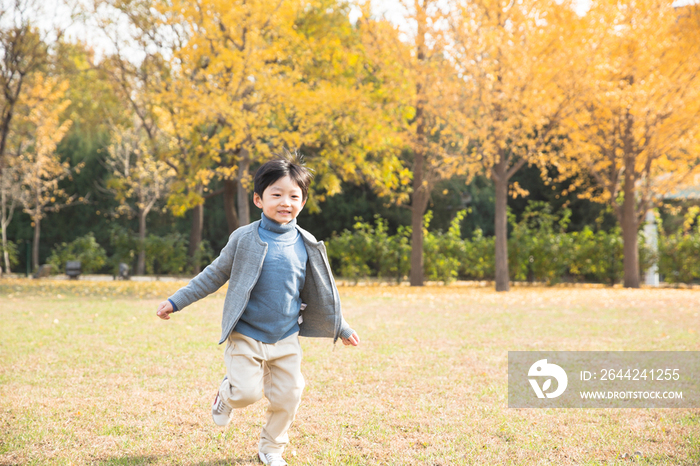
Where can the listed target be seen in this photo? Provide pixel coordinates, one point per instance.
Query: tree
(233, 73)
(418, 74)
(245, 81)
(39, 166)
(22, 52)
(142, 77)
(139, 180)
(517, 79)
(637, 128)
(232, 84)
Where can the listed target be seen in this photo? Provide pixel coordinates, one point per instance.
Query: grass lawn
(89, 375)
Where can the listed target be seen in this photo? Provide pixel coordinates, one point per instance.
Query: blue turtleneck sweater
(273, 308)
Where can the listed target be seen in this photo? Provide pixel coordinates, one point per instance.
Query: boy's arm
(207, 282)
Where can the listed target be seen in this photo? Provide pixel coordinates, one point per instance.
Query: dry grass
(87, 379)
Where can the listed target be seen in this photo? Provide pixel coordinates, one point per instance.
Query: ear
(257, 201)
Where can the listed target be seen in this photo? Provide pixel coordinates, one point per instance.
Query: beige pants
(253, 366)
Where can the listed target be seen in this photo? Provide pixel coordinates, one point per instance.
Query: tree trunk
(418, 206)
(416, 247)
(419, 200)
(628, 222)
(196, 236)
(501, 229)
(3, 220)
(242, 195)
(141, 261)
(35, 251)
(3, 227)
(230, 205)
(628, 216)
(5, 253)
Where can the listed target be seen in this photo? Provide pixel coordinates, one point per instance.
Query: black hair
(289, 164)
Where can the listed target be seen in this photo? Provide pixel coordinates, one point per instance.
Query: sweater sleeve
(208, 280)
(345, 330)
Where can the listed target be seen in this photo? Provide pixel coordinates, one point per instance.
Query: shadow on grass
(127, 460)
(140, 460)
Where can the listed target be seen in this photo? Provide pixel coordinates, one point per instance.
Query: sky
(395, 12)
(56, 12)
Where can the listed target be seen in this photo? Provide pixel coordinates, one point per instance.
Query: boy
(280, 287)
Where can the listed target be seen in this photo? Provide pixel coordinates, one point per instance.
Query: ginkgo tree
(519, 71)
(232, 76)
(40, 168)
(263, 76)
(344, 111)
(244, 81)
(636, 131)
(418, 82)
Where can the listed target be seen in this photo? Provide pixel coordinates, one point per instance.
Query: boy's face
(281, 201)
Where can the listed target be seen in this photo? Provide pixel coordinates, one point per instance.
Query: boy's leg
(283, 387)
(244, 369)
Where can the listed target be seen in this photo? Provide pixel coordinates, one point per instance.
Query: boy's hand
(352, 340)
(164, 310)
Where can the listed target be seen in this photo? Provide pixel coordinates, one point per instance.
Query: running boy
(280, 287)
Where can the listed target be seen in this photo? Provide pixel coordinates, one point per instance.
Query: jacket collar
(306, 236)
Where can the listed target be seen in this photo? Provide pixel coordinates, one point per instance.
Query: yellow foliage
(637, 123)
(41, 129)
(517, 81)
(241, 81)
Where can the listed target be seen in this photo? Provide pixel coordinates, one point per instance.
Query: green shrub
(597, 256)
(443, 253)
(368, 250)
(350, 251)
(85, 249)
(539, 249)
(679, 257)
(125, 247)
(679, 252)
(166, 254)
(204, 254)
(399, 258)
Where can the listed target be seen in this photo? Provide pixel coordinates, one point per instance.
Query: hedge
(539, 249)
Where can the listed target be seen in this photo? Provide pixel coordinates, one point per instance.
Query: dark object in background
(73, 269)
(123, 271)
(43, 272)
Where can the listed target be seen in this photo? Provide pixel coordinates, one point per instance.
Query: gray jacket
(241, 261)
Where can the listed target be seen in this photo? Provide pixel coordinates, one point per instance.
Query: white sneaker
(220, 411)
(272, 459)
